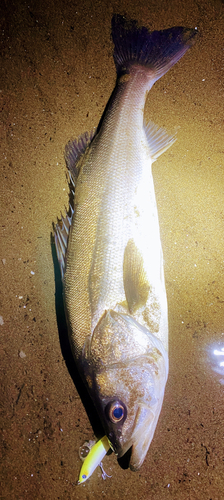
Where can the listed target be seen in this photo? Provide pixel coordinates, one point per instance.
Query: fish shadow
(67, 352)
(70, 362)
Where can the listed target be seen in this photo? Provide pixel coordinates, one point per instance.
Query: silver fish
(109, 247)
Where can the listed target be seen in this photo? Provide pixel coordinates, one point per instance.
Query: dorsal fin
(74, 150)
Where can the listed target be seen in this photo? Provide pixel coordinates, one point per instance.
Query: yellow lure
(93, 459)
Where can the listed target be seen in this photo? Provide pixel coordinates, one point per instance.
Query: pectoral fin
(136, 284)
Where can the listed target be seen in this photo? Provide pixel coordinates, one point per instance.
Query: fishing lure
(94, 458)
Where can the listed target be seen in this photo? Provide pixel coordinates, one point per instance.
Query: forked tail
(158, 50)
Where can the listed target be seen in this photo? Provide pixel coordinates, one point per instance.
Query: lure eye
(116, 411)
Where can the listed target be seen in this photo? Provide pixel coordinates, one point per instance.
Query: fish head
(126, 369)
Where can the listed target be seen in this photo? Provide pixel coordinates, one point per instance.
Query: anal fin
(158, 140)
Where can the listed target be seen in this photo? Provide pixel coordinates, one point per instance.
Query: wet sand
(57, 75)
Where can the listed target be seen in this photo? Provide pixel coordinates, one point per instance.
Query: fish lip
(147, 419)
(115, 443)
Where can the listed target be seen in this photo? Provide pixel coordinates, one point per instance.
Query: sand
(57, 74)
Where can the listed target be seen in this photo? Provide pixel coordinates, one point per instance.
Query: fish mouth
(138, 443)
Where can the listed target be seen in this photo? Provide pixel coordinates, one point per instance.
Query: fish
(109, 246)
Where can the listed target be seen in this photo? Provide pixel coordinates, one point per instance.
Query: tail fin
(158, 50)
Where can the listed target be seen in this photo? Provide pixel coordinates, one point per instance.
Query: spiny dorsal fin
(74, 150)
(61, 234)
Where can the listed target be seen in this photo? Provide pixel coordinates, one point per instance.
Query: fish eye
(116, 411)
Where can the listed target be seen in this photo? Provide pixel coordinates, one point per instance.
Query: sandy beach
(57, 74)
